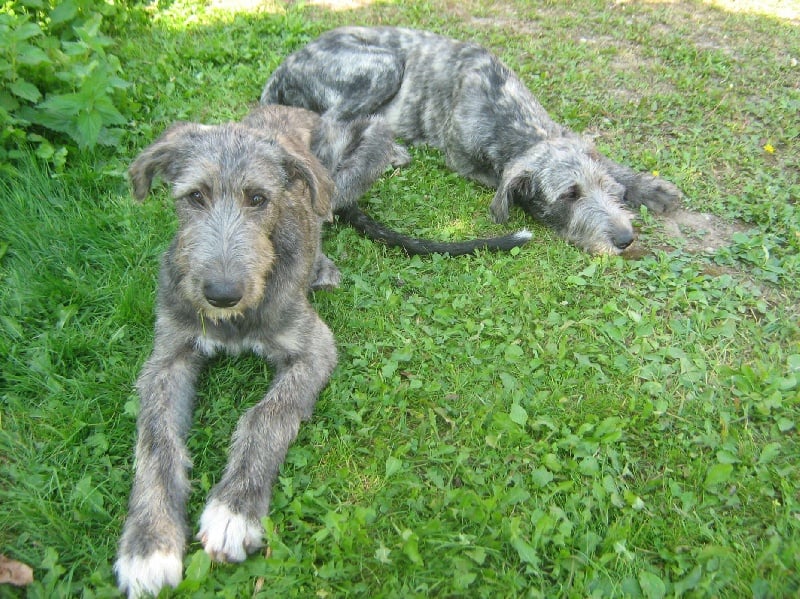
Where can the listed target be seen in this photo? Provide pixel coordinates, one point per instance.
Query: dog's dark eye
(196, 199)
(572, 195)
(258, 199)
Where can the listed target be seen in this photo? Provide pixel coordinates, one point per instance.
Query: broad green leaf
(31, 55)
(513, 352)
(769, 453)
(65, 11)
(382, 554)
(576, 280)
(25, 90)
(541, 477)
(389, 369)
(652, 586)
(525, 551)
(393, 466)
(718, 474)
(551, 462)
(89, 124)
(25, 31)
(589, 466)
(518, 414)
(199, 565)
(411, 546)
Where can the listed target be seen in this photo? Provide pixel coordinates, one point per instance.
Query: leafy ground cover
(538, 423)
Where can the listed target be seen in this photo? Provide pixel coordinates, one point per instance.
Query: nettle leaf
(652, 586)
(25, 32)
(541, 477)
(518, 414)
(65, 11)
(25, 90)
(525, 551)
(89, 124)
(61, 107)
(199, 566)
(589, 466)
(109, 113)
(769, 453)
(411, 546)
(31, 56)
(513, 352)
(718, 474)
(393, 466)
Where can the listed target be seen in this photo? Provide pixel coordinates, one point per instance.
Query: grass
(539, 423)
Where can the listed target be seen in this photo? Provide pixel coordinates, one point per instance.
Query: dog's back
(450, 94)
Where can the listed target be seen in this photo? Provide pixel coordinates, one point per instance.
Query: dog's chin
(209, 313)
(600, 248)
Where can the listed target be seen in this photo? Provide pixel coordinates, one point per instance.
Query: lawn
(541, 423)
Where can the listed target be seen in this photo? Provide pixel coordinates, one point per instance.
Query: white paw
(137, 575)
(228, 537)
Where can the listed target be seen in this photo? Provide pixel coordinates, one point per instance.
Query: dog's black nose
(622, 239)
(222, 294)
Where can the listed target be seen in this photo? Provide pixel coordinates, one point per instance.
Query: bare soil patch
(697, 232)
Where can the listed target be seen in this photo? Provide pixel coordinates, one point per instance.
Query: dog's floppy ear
(300, 163)
(164, 157)
(519, 184)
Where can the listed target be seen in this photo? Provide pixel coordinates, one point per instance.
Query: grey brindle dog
(250, 198)
(461, 99)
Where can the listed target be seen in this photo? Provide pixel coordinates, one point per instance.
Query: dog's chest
(264, 342)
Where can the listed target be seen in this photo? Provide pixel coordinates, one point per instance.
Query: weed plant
(541, 423)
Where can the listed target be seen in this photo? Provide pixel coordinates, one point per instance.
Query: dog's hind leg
(356, 153)
(230, 526)
(154, 535)
(659, 195)
(359, 80)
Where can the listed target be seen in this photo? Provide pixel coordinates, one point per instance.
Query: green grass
(540, 423)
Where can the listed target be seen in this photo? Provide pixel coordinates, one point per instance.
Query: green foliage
(58, 76)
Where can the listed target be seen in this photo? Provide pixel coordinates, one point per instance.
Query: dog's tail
(369, 227)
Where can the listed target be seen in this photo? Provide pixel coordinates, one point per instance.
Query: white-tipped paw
(143, 575)
(228, 537)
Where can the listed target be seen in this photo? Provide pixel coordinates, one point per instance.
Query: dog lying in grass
(250, 203)
(460, 98)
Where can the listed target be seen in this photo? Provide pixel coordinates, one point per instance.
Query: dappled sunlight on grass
(784, 9)
(275, 6)
(337, 5)
(249, 5)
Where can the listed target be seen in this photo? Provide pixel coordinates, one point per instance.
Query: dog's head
(250, 203)
(563, 184)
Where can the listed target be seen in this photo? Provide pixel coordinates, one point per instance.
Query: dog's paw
(400, 156)
(147, 575)
(659, 195)
(326, 274)
(228, 537)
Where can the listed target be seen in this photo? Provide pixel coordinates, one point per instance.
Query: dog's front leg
(230, 526)
(659, 195)
(154, 536)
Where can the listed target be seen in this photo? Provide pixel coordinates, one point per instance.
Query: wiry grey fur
(250, 202)
(460, 98)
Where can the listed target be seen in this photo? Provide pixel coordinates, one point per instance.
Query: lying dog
(250, 203)
(461, 99)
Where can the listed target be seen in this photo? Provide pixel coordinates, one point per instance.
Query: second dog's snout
(222, 294)
(622, 239)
